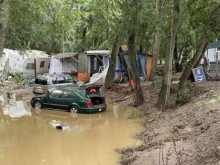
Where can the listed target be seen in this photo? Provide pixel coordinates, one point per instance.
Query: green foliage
(208, 101)
(18, 78)
(136, 114)
(196, 121)
(158, 80)
(77, 25)
(162, 115)
(184, 94)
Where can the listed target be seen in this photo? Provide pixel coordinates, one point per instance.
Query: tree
(157, 40)
(111, 70)
(165, 89)
(212, 22)
(4, 14)
(133, 6)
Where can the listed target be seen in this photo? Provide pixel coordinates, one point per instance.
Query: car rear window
(41, 81)
(81, 92)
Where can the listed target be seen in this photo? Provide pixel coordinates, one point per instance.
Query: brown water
(29, 137)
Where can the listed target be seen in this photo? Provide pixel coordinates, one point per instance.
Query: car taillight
(89, 103)
(104, 101)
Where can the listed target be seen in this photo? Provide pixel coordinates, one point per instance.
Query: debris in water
(62, 127)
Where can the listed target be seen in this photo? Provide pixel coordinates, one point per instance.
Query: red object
(48, 83)
(88, 103)
(104, 101)
(131, 83)
(92, 90)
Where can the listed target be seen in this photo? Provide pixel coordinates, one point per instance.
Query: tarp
(55, 66)
(98, 78)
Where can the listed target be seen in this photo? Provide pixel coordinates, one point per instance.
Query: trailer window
(30, 66)
(42, 64)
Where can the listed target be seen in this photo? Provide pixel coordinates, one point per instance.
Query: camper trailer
(23, 63)
(64, 63)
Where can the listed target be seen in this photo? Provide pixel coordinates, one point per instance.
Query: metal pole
(35, 68)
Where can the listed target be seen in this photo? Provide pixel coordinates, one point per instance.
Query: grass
(136, 114)
(210, 101)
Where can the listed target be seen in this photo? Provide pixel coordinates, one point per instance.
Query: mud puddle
(29, 136)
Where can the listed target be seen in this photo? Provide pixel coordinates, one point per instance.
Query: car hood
(40, 96)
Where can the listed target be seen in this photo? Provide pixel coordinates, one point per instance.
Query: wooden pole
(216, 65)
(35, 68)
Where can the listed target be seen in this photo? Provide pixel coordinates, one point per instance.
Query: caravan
(23, 63)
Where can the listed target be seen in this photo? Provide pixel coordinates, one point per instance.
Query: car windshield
(81, 92)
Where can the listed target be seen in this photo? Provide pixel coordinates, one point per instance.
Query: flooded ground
(29, 136)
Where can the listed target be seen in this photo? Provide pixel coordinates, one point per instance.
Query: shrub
(184, 94)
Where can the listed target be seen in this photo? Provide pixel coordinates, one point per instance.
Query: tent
(143, 66)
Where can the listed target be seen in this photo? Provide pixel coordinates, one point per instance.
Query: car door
(70, 81)
(54, 99)
(68, 98)
(60, 81)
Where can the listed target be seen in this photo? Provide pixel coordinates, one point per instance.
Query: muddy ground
(187, 134)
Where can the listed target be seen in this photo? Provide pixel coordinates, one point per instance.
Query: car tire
(74, 109)
(37, 104)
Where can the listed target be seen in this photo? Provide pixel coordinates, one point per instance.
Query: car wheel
(74, 109)
(37, 104)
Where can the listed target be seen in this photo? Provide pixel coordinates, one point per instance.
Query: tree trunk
(84, 39)
(156, 49)
(138, 95)
(203, 43)
(4, 15)
(200, 58)
(111, 70)
(62, 44)
(176, 57)
(124, 63)
(165, 89)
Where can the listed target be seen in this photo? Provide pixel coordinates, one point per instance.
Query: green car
(72, 99)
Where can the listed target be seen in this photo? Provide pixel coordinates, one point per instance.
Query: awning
(98, 52)
(214, 45)
(66, 55)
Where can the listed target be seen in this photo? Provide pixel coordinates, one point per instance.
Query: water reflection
(14, 107)
(90, 138)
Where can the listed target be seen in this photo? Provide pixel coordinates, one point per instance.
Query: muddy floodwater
(29, 136)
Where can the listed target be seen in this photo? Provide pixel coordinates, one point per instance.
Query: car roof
(78, 87)
(51, 76)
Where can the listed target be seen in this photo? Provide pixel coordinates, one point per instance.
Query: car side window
(68, 94)
(54, 80)
(68, 79)
(60, 80)
(56, 93)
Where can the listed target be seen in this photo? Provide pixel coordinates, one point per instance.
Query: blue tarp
(141, 63)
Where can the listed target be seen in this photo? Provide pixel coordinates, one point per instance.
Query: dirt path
(187, 135)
